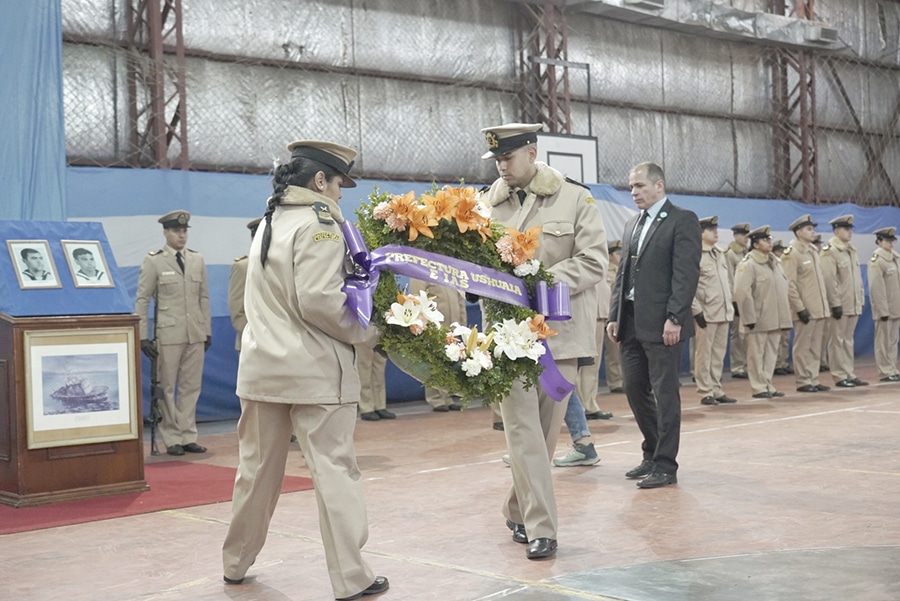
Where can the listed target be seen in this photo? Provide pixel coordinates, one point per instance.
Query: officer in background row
(761, 294)
(713, 310)
(782, 365)
(588, 382)
(843, 283)
(809, 303)
(237, 280)
(613, 359)
(826, 333)
(884, 293)
(735, 252)
(175, 278)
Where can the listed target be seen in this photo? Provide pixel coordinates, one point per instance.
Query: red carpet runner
(173, 484)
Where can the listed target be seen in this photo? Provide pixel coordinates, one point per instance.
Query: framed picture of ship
(80, 386)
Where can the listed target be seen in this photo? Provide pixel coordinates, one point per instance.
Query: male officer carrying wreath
(884, 293)
(809, 303)
(843, 283)
(175, 277)
(572, 248)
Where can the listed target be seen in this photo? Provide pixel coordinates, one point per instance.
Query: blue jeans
(576, 422)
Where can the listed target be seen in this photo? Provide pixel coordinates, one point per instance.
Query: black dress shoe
(822, 387)
(708, 400)
(518, 532)
(232, 580)
(385, 414)
(541, 548)
(617, 390)
(780, 371)
(455, 406)
(725, 399)
(657, 479)
(824, 368)
(893, 378)
(763, 395)
(193, 447)
(739, 375)
(859, 382)
(845, 384)
(598, 415)
(642, 470)
(777, 393)
(175, 449)
(441, 409)
(370, 416)
(498, 426)
(808, 388)
(380, 585)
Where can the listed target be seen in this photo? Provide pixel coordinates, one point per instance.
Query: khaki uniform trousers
(887, 336)
(614, 377)
(588, 381)
(762, 351)
(709, 354)
(372, 386)
(325, 434)
(532, 421)
(840, 347)
(180, 377)
(738, 353)
(784, 347)
(807, 350)
(827, 334)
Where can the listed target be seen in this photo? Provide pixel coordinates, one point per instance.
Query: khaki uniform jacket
(843, 278)
(713, 297)
(572, 248)
(761, 293)
(237, 280)
(182, 299)
(884, 284)
(734, 253)
(806, 282)
(298, 344)
(604, 292)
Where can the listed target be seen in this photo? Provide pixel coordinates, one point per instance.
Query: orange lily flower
(538, 325)
(467, 218)
(443, 204)
(420, 222)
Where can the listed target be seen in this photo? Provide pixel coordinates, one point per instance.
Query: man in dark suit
(657, 281)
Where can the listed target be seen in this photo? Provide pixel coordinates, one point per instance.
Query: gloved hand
(837, 312)
(885, 318)
(472, 298)
(803, 316)
(207, 344)
(380, 350)
(701, 321)
(750, 326)
(736, 314)
(149, 349)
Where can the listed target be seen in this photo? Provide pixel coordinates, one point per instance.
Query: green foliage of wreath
(423, 356)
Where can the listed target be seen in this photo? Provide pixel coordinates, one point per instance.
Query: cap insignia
(492, 140)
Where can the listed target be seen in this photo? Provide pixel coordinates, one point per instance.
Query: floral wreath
(457, 358)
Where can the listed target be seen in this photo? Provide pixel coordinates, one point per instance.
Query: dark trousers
(650, 371)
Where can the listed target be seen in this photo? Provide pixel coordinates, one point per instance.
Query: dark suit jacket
(668, 267)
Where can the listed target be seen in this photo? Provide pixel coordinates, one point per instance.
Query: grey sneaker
(579, 455)
(506, 459)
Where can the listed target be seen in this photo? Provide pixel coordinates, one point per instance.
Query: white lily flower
(406, 314)
(429, 308)
(515, 340)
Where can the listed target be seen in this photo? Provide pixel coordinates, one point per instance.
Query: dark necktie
(180, 260)
(633, 250)
(521, 194)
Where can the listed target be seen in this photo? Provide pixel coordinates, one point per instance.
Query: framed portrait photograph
(80, 386)
(87, 263)
(33, 264)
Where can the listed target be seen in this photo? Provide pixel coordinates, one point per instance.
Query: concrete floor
(789, 499)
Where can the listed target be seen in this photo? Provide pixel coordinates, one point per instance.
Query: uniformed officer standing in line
(588, 382)
(736, 251)
(884, 293)
(372, 384)
(828, 329)
(782, 365)
(175, 278)
(572, 248)
(297, 370)
(236, 283)
(809, 303)
(452, 304)
(613, 359)
(713, 310)
(761, 294)
(843, 283)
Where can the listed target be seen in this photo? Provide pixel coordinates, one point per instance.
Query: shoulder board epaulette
(826, 247)
(874, 258)
(323, 213)
(577, 183)
(788, 250)
(240, 258)
(190, 250)
(745, 258)
(485, 188)
(153, 253)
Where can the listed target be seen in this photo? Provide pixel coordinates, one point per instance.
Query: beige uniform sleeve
(146, 290)
(237, 281)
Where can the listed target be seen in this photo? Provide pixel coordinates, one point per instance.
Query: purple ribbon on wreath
(481, 281)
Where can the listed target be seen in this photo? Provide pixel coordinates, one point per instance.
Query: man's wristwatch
(673, 319)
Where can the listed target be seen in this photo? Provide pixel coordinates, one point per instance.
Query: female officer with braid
(297, 373)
